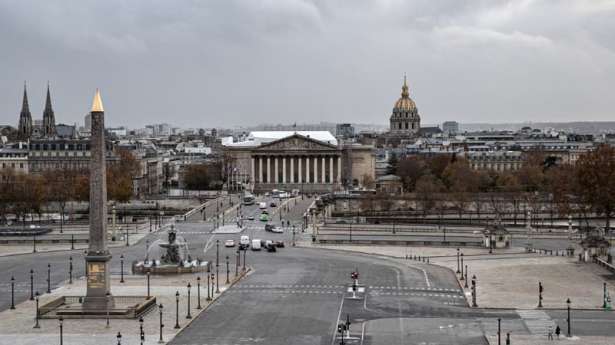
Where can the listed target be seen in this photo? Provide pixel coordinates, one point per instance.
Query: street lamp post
(213, 275)
(188, 315)
(466, 277)
(127, 243)
(568, 302)
(36, 325)
(31, 285)
(107, 296)
(237, 259)
(61, 321)
(70, 269)
(461, 267)
(122, 268)
(198, 292)
(499, 331)
(176, 310)
(208, 284)
(458, 271)
(34, 244)
(119, 338)
(12, 292)
(227, 270)
(160, 341)
(141, 331)
(148, 281)
(474, 305)
(540, 289)
(244, 258)
(48, 278)
(217, 265)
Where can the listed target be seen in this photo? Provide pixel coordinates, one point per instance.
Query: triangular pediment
(296, 142)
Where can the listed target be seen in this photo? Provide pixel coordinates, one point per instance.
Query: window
(20, 165)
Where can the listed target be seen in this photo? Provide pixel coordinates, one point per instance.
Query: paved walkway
(509, 279)
(16, 327)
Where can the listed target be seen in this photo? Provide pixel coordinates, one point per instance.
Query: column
(260, 169)
(315, 169)
(284, 169)
(339, 169)
(307, 169)
(292, 170)
(252, 176)
(331, 169)
(299, 179)
(324, 164)
(275, 174)
(268, 169)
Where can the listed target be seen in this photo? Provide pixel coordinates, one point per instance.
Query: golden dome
(405, 103)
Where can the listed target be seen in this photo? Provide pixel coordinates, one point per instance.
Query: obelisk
(98, 294)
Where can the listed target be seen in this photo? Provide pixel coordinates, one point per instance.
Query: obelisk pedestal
(98, 294)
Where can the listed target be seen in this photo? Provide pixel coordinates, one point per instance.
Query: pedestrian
(550, 333)
(558, 331)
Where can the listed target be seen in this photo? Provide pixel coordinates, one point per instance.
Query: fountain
(170, 257)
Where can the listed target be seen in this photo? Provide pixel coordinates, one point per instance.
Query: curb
(242, 275)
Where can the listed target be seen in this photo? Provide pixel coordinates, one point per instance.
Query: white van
(256, 244)
(262, 205)
(244, 241)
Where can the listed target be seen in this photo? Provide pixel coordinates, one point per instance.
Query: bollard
(160, 341)
(508, 338)
(31, 285)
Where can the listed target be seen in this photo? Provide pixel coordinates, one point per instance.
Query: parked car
(229, 243)
(256, 245)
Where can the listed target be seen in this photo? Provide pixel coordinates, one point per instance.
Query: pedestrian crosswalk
(450, 296)
(536, 321)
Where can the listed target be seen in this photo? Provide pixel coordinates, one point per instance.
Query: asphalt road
(299, 295)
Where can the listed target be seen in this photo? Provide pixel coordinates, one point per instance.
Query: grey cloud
(239, 62)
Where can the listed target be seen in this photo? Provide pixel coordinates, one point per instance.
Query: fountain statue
(172, 256)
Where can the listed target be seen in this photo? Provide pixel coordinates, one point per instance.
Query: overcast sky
(244, 62)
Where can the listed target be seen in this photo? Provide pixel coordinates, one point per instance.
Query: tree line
(542, 184)
(28, 194)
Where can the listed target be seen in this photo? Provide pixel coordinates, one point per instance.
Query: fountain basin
(155, 267)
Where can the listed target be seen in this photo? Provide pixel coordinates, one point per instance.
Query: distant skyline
(228, 63)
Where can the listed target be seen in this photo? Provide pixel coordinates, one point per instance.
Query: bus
(248, 199)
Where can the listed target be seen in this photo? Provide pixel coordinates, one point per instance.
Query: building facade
(298, 161)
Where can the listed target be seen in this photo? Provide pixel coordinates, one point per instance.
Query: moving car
(256, 244)
(273, 204)
(244, 242)
(264, 217)
(229, 243)
(279, 244)
(277, 230)
(269, 227)
(250, 217)
(270, 246)
(262, 205)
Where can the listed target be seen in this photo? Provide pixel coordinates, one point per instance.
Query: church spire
(25, 108)
(49, 120)
(24, 127)
(48, 100)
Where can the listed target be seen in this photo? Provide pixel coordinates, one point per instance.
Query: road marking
(339, 314)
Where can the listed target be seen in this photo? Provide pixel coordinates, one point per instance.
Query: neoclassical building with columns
(310, 161)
